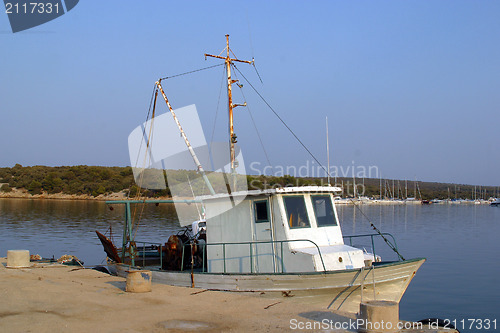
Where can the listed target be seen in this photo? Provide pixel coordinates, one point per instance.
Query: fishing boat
(283, 242)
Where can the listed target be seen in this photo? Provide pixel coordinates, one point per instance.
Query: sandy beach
(58, 298)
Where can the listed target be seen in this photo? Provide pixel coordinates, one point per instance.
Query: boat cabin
(291, 229)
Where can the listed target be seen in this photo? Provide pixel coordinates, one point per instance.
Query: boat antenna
(232, 136)
(183, 134)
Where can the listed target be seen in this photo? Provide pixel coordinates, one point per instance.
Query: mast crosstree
(232, 136)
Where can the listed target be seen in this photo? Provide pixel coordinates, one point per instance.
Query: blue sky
(411, 87)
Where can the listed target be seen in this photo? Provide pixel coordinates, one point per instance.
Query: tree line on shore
(97, 180)
(79, 180)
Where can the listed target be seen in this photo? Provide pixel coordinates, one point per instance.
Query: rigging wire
(192, 192)
(150, 116)
(256, 129)
(251, 46)
(282, 121)
(190, 72)
(388, 242)
(152, 107)
(136, 221)
(155, 92)
(215, 119)
(256, 71)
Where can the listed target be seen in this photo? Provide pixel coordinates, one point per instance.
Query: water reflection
(57, 227)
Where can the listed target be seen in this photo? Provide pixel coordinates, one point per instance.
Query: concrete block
(379, 317)
(18, 258)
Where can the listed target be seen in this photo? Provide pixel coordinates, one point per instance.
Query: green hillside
(97, 180)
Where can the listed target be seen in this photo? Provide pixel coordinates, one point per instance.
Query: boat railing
(141, 249)
(139, 252)
(388, 237)
(251, 252)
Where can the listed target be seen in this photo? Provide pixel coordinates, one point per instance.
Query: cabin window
(296, 211)
(261, 211)
(323, 210)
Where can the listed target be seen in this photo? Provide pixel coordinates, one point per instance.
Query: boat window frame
(333, 211)
(255, 202)
(309, 226)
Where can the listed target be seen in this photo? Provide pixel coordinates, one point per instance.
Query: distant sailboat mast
(415, 187)
(354, 182)
(380, 186)
(328, 153)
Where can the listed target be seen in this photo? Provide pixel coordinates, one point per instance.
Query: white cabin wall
(231, 226)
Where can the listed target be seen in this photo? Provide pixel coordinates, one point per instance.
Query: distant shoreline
(84, 182)
(24, 194)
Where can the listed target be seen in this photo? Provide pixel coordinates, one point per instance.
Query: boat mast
(183, 134)
(232, 136)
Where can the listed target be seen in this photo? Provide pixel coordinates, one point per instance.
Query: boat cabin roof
(269, 192)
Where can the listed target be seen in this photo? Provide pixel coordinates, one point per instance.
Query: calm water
(57, 227)
(462, 247)
(461, 243)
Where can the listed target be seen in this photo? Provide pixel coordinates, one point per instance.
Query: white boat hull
(339, 290)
